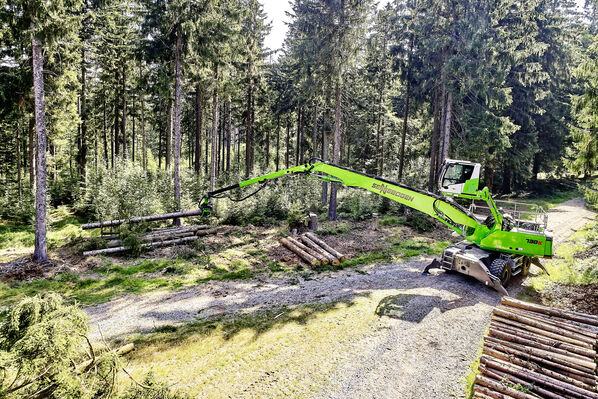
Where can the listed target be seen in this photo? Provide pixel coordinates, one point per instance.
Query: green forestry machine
(494, 248)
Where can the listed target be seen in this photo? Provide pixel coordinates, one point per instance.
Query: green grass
(63, 228)
(570, 266)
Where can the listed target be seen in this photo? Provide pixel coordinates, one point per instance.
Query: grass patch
(229, 357)
(392, 221)
(575, 263)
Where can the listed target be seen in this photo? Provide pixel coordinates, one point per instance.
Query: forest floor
(239, 316)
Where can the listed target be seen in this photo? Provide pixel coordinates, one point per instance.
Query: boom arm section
(443, 209)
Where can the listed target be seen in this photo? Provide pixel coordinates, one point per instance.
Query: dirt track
(432, 325)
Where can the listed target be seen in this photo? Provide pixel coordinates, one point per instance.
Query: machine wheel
(525, 264)
(501, 268)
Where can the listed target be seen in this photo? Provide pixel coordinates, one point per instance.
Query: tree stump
(374, 221)
(313, 222)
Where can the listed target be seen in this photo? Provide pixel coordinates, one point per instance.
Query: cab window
(457, 174)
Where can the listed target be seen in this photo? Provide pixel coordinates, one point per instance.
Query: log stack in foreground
(158, 238)
(534, 351)
(313, 250)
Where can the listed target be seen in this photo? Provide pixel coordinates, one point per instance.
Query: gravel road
(433, 324)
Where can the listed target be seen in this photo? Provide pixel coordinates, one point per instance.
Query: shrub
(419, 222)
(297, 217)
(357, 206)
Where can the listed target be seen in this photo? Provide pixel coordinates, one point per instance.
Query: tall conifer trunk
(177, 124)
(406, 114)
(249, 132)
(105, 123)
(82, 154)
(434, 143)
(198, 128)
(31, 151)
(288, 146)
(314, 134)
(228, 132)
(169, 134)
(40, 253)
(277, 142)
(214, 129)
(335, 148)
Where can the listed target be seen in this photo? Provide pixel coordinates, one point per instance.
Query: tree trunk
(249, 132)
(40, 253)
(198, 128)
(335, 149)
(325, 146)
(18, 154)
(406, 114)
(105, 122)
(160, 133)
(434, 143)
(82, 154)
(287, 152)
(143, 137)
(177, 125)
(116, 128)
(228, 133)
(301, 135)
(124, 115)
(277, 142)
(169, 134)
(133, 130)
(446, 139)
(314, 134)
(31, 152)
(214, 130)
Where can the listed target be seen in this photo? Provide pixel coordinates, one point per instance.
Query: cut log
(542, 331)
(299, 252)
(326, 247)
(538, 378)
(374, 221)
(565, 314)
(323, 260)
(544, 326)
(484, 393)
(494, 332)
(313, 222)
(504, 328)
(497, 386)
(535, 367)
(167, 243)
(138, 219)
(580, 375)
(510, 380)
(309, 243)
(586, 366)
(545, 319)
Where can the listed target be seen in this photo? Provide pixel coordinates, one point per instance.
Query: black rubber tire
(525, 265)
(501, 268)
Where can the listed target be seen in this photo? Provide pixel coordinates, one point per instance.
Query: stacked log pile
(534, 351)
(158, 238)
(313, 250)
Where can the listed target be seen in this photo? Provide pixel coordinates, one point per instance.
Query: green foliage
(39, 340)
(297, 217)
(419, 222)
(152, 389)
(358, 205)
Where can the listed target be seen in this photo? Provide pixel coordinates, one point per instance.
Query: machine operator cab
(459, 177)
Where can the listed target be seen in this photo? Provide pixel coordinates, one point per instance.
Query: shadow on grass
(258, 322)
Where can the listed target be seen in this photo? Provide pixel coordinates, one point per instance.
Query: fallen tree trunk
(497, 386)
(107, 251)
(309, 243)
(523, 385)
(482, 392)
(150, 218)
(301, 253)
(326, 247)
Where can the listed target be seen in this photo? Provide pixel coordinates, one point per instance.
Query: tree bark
(169, 134)
(336, 148)
(198, 127)
(287, 152)
(134, 110)
(446, 139)
(177, 124)
(40, 253)
(82, 154)
(325, 147)
(406, 114)
(124, 115)
(249, 132)
(31, 152)
(314, 134)
(143, 137)
(277, 142)
(214, 130)
(18, 154)
(434, 143)
(228, 132)
(267, 148)
(116, 136)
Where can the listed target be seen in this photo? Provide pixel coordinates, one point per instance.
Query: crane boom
(485, 241)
